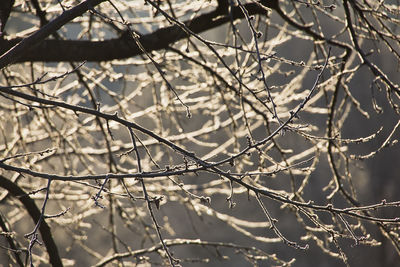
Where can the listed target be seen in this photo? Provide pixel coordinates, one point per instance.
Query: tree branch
(20, 47)
(118, 48)
(35, 214)
(5, 9)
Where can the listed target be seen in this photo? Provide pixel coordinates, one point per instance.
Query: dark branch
(35, 214)
(124, 46)
(19, 48)
(5, 9)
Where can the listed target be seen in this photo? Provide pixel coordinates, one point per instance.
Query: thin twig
(171, 259)
(34, 235)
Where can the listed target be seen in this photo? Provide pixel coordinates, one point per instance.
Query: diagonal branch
(21, 47)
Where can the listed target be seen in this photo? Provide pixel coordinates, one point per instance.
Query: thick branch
(123, 47)
(34, 212)
(5, 9)
(27, 45)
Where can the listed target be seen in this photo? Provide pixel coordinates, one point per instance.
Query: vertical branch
(257, 35)
(98, 194)
(172, 260)
(34, 235)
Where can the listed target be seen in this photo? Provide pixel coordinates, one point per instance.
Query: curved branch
(118, 48)
(374, 69)
(35, 213)
(173, 243)
(11, 243)
(124, 46)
